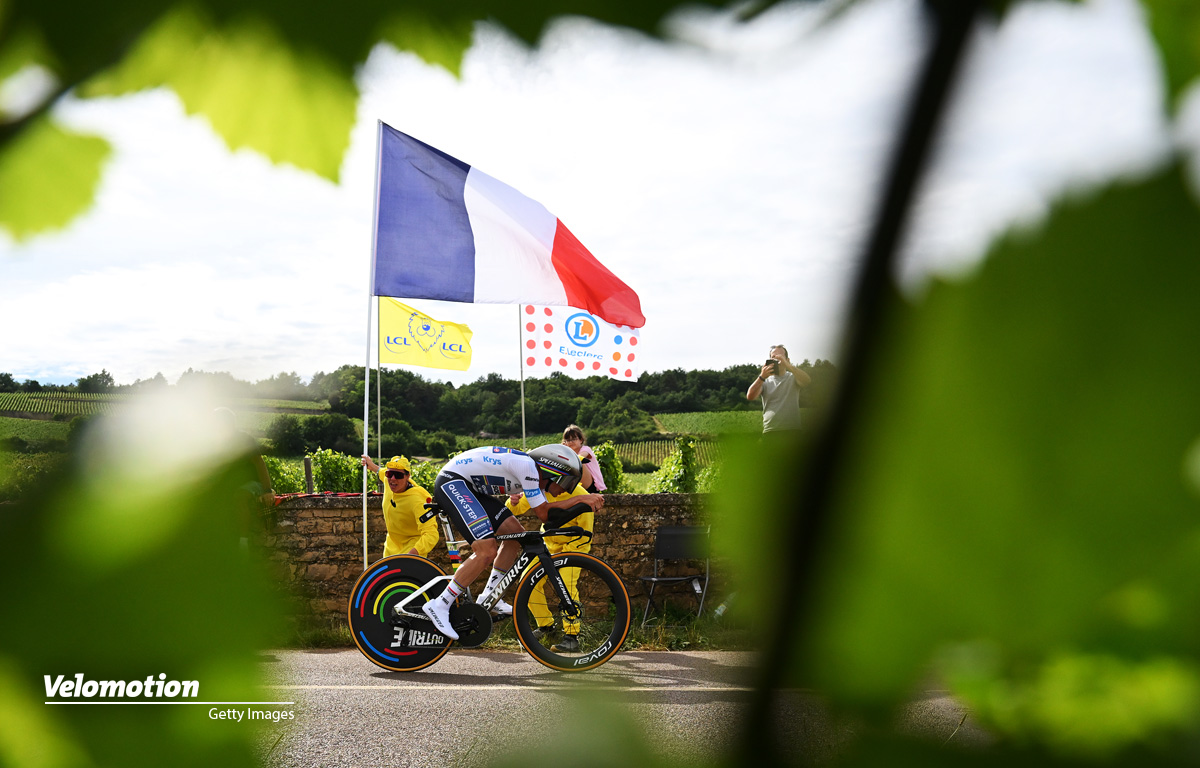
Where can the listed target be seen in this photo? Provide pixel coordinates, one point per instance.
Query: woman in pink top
(593, 479)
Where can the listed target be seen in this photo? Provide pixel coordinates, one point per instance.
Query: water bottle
(720, 611)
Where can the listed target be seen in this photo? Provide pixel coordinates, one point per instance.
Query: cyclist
(538, 603)
(466, 489)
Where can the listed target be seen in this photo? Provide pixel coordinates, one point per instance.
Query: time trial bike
(571, 594)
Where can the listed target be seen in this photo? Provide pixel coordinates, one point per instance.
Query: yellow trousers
(543, 593)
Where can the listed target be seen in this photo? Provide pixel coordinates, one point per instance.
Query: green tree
(286, 434)
(96, 383)
(7, 383)
(331, 429)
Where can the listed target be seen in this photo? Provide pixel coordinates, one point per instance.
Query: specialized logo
(582, 329)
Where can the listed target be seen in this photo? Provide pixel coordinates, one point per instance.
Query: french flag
(447, 231)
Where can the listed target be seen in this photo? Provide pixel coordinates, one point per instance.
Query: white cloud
(731, 187)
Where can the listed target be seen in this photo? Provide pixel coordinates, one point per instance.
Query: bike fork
(570, 607)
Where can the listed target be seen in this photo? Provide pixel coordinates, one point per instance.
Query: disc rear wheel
(397, 644)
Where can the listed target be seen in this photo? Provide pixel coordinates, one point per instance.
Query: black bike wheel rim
(384, 584)
(602, 626)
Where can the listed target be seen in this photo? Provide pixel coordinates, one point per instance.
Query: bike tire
(385, 583)
(600, 630)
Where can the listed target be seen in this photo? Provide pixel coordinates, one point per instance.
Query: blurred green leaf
(271, 76)
(1018, 475)
(1175, 25)
(1080, 704)
(115, 602)
(31, 733)
(258, 92)
(48, 176)
(436, 41)
(23, 48)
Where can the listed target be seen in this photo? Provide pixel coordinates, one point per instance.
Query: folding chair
(677, 542)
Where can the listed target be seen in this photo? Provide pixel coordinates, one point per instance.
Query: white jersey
(499, 471)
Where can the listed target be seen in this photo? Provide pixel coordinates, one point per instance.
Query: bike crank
(472, 623)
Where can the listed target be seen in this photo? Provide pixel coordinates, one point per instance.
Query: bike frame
(533, 545)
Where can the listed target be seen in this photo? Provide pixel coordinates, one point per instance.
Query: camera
(774, 365)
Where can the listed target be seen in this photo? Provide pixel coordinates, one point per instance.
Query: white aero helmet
(559, 464)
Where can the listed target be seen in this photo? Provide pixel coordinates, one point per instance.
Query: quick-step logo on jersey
(472, 512)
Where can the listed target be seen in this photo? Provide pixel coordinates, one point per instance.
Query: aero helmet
(558, 463)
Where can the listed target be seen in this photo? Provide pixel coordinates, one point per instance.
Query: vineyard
(656, 451)
(59, 403)
(287, 406)
(71, 404)
(711, 422)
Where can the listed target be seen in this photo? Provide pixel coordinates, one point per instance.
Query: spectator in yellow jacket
(538, 605)
(403, 505)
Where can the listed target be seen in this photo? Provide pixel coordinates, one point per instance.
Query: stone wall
(316, 541)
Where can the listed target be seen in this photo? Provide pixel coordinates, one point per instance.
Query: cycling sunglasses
(396, 474)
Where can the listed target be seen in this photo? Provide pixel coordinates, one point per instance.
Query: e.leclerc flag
(448, 231)
(579, 344)
(410, 337)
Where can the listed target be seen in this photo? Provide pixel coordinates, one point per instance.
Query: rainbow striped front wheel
(400, 645)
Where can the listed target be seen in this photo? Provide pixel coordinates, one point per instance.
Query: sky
(727, 174)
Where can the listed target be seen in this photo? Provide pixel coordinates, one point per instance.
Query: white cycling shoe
(439, 613)
(502, 608)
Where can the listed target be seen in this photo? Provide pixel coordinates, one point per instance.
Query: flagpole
(370, 306)
(378, 395)
(521, 352)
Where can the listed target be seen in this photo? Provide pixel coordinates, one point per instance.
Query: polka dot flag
(578, 344)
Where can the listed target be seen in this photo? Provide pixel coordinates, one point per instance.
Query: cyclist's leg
(505, 557)
(468, 512)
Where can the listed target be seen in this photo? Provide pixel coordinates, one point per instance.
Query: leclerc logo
(583, 329)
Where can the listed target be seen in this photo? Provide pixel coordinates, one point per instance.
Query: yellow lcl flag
(409, 337)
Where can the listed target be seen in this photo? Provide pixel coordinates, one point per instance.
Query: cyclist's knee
(484, 548)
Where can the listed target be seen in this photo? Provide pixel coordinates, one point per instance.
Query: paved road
(474, 707)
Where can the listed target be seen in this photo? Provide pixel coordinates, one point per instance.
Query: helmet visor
(565, 480)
